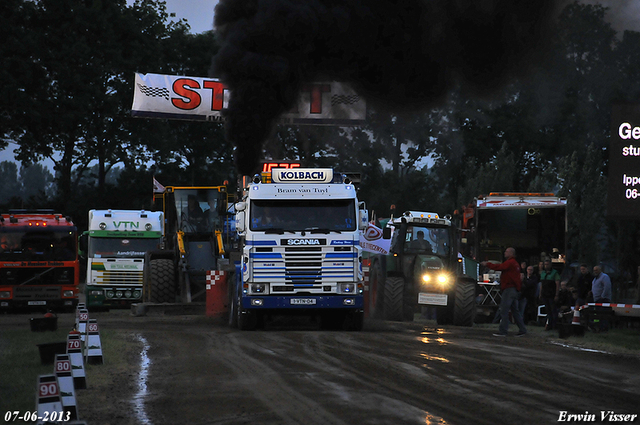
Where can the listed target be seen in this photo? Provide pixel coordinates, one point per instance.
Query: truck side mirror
(240, 223)
(364, 219)
(386, 233)
(83, 243)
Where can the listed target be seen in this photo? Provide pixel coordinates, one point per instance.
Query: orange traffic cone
(578, 329)
(576, 317)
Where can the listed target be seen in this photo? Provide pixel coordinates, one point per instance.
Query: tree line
(68, 68)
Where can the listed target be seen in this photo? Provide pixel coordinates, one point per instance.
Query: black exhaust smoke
(403, 54)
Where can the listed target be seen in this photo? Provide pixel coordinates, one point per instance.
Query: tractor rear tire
(465, 304)
(393, 299)
(162, 280)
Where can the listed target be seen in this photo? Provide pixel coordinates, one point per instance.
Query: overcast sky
(198, 13)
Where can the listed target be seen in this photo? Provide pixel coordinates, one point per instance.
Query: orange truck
(39, 265)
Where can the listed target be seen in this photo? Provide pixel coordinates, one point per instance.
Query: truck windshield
(121, 247)
(334, 215)
(427, 240)
(19, 244)
(198, 209)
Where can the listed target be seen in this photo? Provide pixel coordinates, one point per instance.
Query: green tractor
(423, 269)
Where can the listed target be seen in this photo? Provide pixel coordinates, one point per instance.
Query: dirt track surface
(202, 372)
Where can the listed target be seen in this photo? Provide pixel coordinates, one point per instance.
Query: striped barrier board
(620, 309)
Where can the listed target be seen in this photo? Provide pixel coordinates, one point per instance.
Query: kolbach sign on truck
(204, 99)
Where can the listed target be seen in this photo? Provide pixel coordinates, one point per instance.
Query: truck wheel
(162, 280)
(465, 304)
(376, 291)
(393, 298)
(247, 319)
(233, 306)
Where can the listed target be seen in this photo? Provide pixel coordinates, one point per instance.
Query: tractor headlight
(440, 278)
(443, 279)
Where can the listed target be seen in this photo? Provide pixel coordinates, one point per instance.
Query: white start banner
(204, 99)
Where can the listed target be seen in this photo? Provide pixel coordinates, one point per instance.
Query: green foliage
(584, 186)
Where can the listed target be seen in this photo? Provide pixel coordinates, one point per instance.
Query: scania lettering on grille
(302, 241)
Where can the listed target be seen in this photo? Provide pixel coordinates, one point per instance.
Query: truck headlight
(68, 294)
(258, 288)
(346, 288)
(136, 294)
(97, 293)
(5, 294)
(111, 294)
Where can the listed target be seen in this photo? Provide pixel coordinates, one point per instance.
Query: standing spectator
(528, 295)
(565, 298)
(583, 285)
(549, 291)
(601, 286)
(510, 285)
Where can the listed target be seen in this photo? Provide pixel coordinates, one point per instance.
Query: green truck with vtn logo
(115, 245)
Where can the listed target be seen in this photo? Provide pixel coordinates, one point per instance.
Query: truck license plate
(432, 299)
(303, 301)
(37, 303)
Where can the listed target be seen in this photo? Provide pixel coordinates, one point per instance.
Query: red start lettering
(315, 93)
(217, 94)
(190, 99)
(183, 87)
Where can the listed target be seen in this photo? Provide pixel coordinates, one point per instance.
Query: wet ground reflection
(139, 398)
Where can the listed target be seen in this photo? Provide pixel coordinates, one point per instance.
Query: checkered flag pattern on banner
(349, 100)
(154, 91)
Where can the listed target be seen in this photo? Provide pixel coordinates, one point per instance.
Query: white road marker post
(83, 319)
(76, 356)
(94, 345)
(63, 371)
(48, 404)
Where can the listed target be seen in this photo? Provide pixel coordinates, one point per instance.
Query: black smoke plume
(403, 54)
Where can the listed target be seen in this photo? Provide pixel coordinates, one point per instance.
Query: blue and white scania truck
(116, 243)
(300, 232)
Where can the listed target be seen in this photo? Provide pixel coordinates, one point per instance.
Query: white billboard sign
(204, 99)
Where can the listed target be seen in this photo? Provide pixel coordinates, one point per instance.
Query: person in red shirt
(510, 284)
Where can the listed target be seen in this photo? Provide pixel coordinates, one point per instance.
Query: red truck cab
(39, 264)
